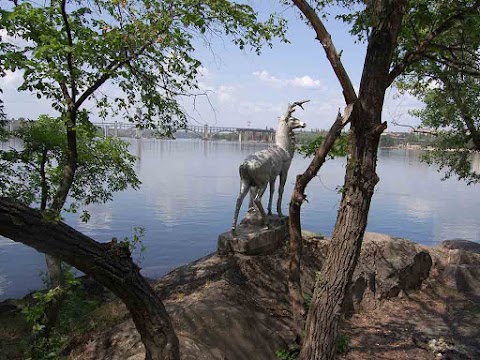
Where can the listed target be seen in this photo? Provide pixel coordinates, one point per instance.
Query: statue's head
(294, 123)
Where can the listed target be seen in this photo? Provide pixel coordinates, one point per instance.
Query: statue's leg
(253, 192)
(244, 187)
(270, 199)
(258, 204)
(283, 179)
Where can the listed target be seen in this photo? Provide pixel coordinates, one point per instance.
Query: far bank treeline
(409, 139)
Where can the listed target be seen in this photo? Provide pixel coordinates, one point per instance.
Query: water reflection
(189, 190)
(475, 162)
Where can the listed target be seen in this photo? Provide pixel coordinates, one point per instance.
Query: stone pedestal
(253, 238)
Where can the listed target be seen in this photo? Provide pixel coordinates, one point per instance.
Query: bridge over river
(206, 132)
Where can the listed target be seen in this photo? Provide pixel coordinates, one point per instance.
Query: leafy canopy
(437, 59)
(69, 49)
(452, 115)
(104, 165)
(448, 82)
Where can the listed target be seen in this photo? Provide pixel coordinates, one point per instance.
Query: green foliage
(285, 354)
(104, 165)
(144, 48)
(447, 81)
(343, 344)
(136, 243)
(75, 308)
(339, 148)
(452, 115)
(307, 301)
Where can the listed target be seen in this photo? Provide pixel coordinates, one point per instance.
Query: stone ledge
(253, 239)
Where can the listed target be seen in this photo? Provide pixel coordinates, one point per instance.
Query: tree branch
(295, 230)
(114, 65)
(110, 264)
(415, 55)
(326, 40)
(414, 129)
(69, 52)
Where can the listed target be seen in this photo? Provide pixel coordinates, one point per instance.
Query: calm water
(190, 187)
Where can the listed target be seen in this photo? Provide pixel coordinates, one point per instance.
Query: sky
(246, 90)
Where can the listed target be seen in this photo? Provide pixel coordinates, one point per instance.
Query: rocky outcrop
(457, 264)
(236, 307)
(387, 267)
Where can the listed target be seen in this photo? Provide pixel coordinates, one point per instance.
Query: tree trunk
(295, 229)
(110, 264)
(298, 196)
(360, 180)
(55, 271)
(71, 164)
(54, 266)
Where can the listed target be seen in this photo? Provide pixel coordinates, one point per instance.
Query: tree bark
(54, 266)
(295, 229)
(110, 264)
(360, 180)
(298, 196)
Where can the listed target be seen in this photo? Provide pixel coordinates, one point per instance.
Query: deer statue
(262, 168)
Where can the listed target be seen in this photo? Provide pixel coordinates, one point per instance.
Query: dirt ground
(414, 326)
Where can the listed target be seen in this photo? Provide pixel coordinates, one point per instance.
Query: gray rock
(387, 267)
(236, 307)
(458, 265)
(460, 244)
(253, 238)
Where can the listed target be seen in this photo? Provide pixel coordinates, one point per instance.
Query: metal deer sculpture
(262, 168)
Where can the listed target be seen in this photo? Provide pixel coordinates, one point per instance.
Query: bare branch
(416, 130)
(298, 197)
(325, 39)
(346, 114)
(110, 264)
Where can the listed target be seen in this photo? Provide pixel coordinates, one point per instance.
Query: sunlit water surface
(190, 187)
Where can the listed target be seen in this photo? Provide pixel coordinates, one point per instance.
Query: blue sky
(249, 90)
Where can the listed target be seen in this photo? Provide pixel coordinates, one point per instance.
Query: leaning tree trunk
(360, 180)
(110, 264)
(298, 195)
(295, 229)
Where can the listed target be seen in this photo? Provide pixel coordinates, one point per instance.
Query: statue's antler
(291, 108)
(300, 103)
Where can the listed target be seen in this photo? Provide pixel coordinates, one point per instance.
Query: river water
(190, 187)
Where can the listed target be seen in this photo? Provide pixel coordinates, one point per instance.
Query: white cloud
(265, 76)
(305, 81)
(14, 40)
(270, 110)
